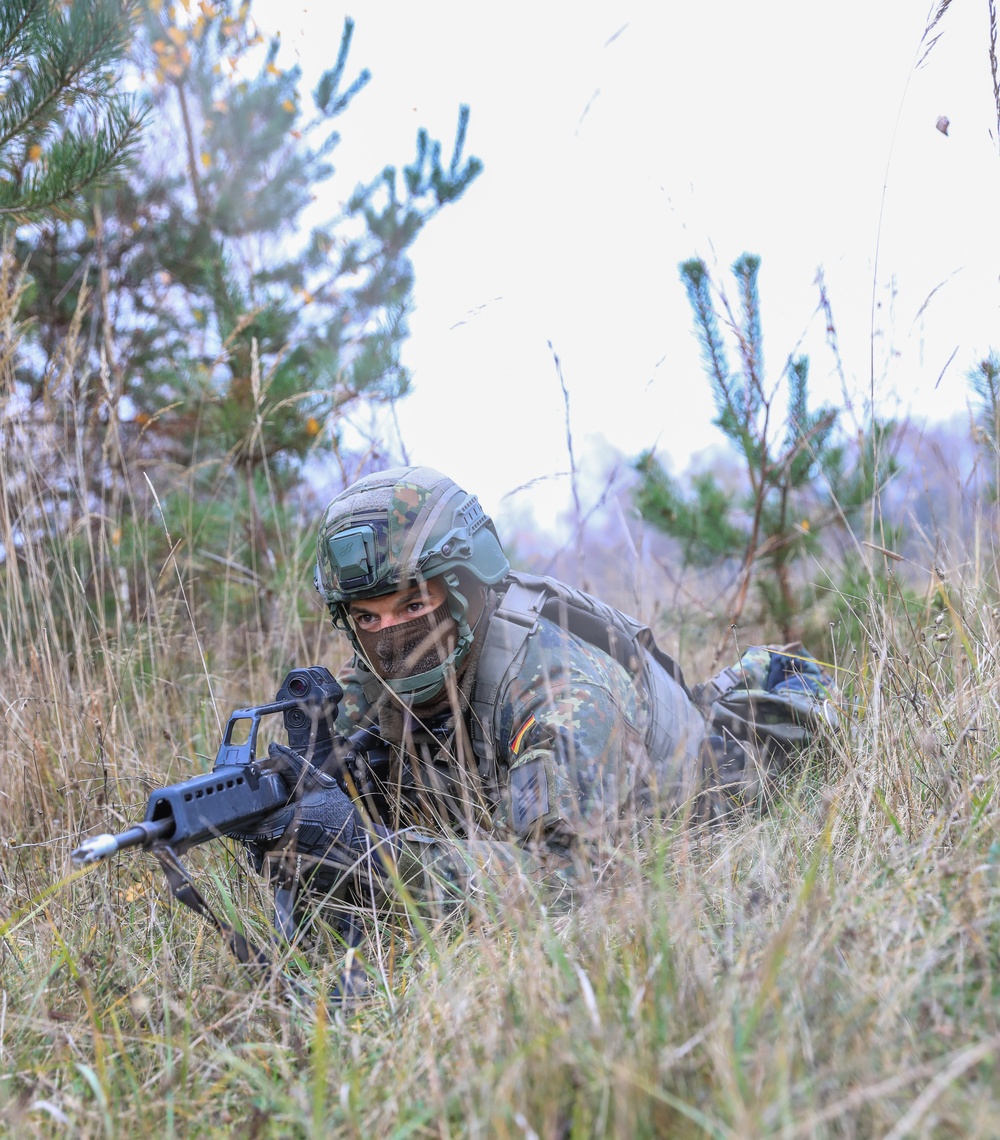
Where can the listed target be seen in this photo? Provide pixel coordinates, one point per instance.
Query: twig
(577, 519)
(993, 62)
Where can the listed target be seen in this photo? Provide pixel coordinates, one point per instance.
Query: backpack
(762, 713)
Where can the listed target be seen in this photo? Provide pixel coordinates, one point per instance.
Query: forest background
(180, 352)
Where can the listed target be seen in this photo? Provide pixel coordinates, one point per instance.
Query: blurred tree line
(182, 315)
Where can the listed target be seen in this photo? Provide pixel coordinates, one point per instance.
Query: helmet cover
(397, 527)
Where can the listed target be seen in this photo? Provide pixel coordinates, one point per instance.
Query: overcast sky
(620, 139)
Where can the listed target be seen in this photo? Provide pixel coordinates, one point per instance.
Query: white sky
(620, 139)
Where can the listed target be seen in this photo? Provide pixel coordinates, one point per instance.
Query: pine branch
(694, 274)
(72, 163)
(62, 125)
(745, 269)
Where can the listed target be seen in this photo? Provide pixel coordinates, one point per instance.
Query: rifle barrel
(143, 834)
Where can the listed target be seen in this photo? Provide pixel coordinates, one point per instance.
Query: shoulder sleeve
(354, 705)
(574, 756)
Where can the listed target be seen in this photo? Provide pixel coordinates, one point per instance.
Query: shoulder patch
(529, 794)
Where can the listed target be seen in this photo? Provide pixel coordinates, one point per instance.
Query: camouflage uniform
(571, 768)
(542, 790)
(521, 726)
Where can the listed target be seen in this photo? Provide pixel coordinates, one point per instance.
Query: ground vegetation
(825, 968)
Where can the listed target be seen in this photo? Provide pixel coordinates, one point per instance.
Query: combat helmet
(403, 525)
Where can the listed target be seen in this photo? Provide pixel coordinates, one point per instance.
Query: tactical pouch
(778, 702)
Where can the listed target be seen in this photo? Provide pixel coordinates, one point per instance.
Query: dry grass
(829, 970)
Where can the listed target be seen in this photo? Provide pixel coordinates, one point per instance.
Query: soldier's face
(374, 614)
(408, 632)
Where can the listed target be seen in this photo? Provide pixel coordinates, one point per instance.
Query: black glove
(318, 837)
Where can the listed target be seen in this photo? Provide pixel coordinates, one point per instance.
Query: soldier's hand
(297, 774)
(318, 837)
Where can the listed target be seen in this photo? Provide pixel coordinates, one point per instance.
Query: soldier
(514, 726)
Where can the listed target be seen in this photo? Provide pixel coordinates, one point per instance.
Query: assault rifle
(234, 793)
(236, 790)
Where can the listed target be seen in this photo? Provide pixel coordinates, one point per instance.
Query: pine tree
(222, 343)
(801, 477)
(64, 126)
(209, 281)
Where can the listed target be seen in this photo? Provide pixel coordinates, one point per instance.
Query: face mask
(412, 647)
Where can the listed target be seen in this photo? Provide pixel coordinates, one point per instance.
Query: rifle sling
(183, 889)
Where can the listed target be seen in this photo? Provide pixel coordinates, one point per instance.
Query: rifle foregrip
(208, 806)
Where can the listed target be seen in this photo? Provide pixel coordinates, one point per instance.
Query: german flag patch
(515, 744)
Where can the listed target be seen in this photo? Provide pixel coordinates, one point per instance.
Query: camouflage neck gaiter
(402, 725)
(411, 647)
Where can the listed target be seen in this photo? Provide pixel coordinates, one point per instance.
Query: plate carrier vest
(675, 728)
